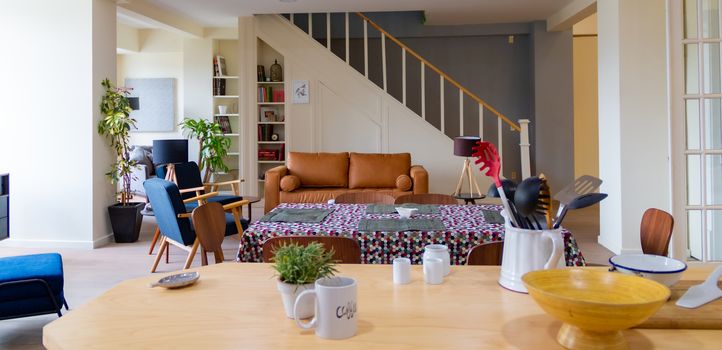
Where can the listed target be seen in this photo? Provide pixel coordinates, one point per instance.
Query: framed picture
(268, 114)
(300, 91)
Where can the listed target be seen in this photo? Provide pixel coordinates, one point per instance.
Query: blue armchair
(31, 285)
(174, 221)
(188, 178)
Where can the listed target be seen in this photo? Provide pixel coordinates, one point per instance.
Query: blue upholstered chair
(174, 220)
(188, 178)
(31, 285)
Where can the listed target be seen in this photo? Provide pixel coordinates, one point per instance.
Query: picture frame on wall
(301, 91)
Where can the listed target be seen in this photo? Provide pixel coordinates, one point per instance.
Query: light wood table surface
(237, 306)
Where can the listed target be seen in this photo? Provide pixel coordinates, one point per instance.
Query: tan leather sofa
(318, 177)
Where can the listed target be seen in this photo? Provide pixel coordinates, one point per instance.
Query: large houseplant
(212, 144)
(298, 267)
(125, 217)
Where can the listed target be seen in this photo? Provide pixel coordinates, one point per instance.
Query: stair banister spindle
(292, 22)
(403, 75)
(524, 145)
(383, 58)
(461, 114)
(423, 91)
(348, 57)
(441, 93)
(500, 143)
(310, 24)
(481, 121)
(328, 30)
(366, 49)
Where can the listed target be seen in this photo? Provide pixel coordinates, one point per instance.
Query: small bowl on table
(594, 306)
(406, 213)
(658, 268)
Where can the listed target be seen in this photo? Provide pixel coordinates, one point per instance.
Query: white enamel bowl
(658, 268)
(406, 213)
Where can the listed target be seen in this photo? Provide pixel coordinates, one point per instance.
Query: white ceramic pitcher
(528, 250)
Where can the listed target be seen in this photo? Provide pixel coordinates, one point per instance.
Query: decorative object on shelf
(125, 217)
(298, 267)
(269, 115)
(220, 66)
(463, 147)
(300, 91)
(213, 145)
(260, 73)
(274, 137)
(158, 96)
(222, 109)
(225, 123)
(276, 71)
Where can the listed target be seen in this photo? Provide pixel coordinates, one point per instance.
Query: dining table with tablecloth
(464, 227)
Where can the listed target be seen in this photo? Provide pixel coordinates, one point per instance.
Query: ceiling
(223, 13)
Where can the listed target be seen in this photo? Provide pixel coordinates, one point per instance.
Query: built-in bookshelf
(271, 141)
(226, 102)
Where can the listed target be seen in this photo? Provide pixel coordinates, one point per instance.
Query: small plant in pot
(298, 267)
(125, 217)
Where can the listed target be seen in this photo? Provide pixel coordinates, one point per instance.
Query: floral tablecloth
(465, 228)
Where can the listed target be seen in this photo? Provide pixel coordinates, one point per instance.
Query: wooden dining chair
(346, 250)
(488, 254)
(656, 231)
(364, 198)
(426, 198)
(209, 221)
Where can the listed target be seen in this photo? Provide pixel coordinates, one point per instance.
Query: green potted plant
(212, 144)
(125, 217)
(298, 267)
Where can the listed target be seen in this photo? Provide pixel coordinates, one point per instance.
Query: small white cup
(222, 109)
(406, 213)
(331, 201)
(433, 270)
(402, 270)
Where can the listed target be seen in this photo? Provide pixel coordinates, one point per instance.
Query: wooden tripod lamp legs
(467, 172)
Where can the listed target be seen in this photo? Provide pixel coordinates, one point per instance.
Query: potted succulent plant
(212, 144)
(298, 267)
(125, 217)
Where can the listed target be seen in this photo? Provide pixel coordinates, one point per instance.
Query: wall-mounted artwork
(155, 103)
(300, 91)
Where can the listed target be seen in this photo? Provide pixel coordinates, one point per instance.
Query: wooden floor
(88, 273)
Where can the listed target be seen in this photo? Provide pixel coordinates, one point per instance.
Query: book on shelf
(282, 152)
(278, 96)
(224, 122)
(264, 132)
(268, 154)
(219, 87)
(270, 94)
(220, 66)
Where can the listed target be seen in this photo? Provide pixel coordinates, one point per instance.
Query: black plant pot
(126, 220)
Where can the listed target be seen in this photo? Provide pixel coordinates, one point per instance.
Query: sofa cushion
(290, 183)
(403, 183)
(322, 195)
(319, 169)
(377, 169)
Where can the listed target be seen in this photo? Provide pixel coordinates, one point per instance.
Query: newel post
(524, 147)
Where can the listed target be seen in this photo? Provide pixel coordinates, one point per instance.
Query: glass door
(703, 128)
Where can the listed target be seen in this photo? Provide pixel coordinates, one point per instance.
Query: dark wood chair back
(364, 198)
(346, 250)
(209, 221)
(656, 231)
(427, 198)
(489, 253)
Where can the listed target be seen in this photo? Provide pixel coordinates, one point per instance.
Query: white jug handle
(307, 325)
(557, 248)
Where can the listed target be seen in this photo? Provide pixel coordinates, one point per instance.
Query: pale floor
(88, 273)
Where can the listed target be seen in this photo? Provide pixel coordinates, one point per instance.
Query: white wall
(50, 90)
(633, 118)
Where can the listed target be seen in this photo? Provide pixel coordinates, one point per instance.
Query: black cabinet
(4, 206)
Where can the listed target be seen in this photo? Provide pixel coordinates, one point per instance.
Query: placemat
(492, 217)
(400, 225)
(391, 208)
(311, 215)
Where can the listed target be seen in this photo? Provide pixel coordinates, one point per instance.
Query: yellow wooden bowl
(595, 305)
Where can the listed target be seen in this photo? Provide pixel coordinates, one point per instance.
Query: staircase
(392, 113)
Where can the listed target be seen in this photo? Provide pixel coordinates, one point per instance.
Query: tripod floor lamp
(463, 148)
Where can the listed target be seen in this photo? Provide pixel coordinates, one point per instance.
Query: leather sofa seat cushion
(322, 195)
(319, 169)
(290, 183)
(369, 170)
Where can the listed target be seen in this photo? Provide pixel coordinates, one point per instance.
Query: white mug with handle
(336, 308)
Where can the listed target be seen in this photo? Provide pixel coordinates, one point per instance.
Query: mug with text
(336, 310)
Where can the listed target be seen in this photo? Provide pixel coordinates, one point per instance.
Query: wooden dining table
(237, 306)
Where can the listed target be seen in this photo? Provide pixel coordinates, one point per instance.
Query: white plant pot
(289, 293)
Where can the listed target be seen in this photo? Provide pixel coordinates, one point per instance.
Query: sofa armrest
(420, 179)
(272, 187)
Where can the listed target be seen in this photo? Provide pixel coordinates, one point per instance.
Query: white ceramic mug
(439, 251)
(402, 270)
(528, 250)
(222, 109)
(433, 270)
(336, 308)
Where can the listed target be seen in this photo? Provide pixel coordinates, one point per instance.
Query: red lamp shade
(463, 145)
